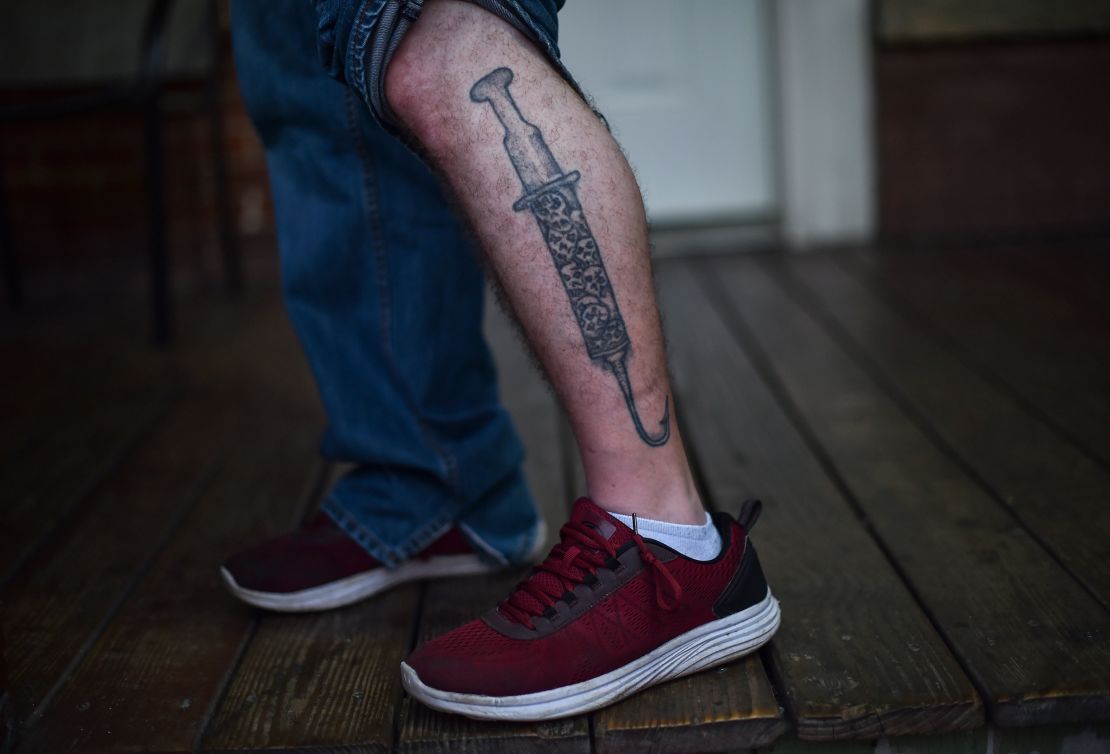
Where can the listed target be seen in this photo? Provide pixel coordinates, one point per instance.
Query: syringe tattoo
(550, 195)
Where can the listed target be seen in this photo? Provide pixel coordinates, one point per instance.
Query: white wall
(686, 88)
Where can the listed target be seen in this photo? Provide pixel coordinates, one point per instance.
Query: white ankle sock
(695, 541)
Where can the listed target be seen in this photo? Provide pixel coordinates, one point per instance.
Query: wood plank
(1056, 490)
(1081, 738)
(1029, 635)
(1079, 272)
(153, 678)
(448, 604)
(60, 601)
(70, 368)
(1045, 350)
(319, 681)
(52, 377)
(7, 709)
(64, 597)
(74, 404)
(722, 709)
(855, 656)
(49, 478)
(150, 681)
(960, 742)
(68, 363)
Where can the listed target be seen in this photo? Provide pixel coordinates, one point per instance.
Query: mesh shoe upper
(320, 553)
(619, 597)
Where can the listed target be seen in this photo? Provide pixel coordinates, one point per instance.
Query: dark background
(992, 119)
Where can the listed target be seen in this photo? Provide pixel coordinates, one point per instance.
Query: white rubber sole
(360, 586)
(707, 645)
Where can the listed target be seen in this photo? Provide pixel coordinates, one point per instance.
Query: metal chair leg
(157, 253)
(13, 278)
(229, 241)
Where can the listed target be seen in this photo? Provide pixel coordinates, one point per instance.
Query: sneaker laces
(581, 551)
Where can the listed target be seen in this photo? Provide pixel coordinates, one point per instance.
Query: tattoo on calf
(550, 195)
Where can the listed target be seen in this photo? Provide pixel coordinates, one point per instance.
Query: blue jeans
(386, 295)
(356, 39)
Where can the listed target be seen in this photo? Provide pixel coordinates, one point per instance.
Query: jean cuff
(378, 26)
(376, 32)
(389, 556)
(526, 549)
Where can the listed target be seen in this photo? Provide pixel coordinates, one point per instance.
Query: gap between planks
(1036, 477)
(1012, 590)
(855, 656)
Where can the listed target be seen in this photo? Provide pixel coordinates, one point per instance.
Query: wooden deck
(930, 434)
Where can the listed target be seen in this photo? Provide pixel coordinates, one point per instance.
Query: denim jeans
(386, 296)
(357, 38)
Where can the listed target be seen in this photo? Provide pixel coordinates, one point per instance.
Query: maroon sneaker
(321, 567)
(604, 616)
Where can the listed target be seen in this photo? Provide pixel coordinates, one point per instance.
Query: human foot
(607, 614)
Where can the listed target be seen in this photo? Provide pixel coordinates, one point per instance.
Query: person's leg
(557, 210)
(611, 609)
(386, 296)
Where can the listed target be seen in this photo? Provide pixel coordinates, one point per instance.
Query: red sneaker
(320, 567)
(606, 615)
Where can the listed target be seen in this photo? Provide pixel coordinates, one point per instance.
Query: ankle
(663, 497)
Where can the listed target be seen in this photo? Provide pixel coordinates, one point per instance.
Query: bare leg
(558, 212)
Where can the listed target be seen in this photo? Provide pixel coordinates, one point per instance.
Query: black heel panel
(748, 587)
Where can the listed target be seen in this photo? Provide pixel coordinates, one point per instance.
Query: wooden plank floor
(928, 432)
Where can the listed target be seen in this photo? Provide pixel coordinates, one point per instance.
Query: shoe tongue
(587, 512)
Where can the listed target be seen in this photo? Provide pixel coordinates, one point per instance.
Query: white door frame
(823, 53)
